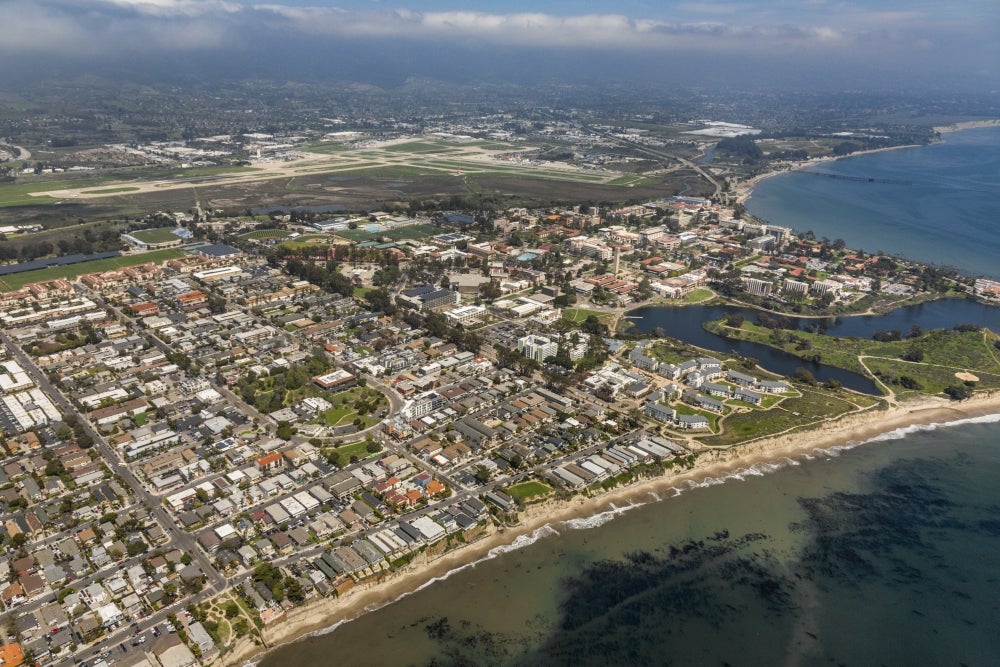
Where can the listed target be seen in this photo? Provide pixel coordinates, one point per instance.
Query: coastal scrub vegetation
(919, 361)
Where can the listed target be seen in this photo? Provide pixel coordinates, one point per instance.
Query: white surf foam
(519, 542)
(933, 426)
(600, 519)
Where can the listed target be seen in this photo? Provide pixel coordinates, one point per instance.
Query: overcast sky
(852, 43)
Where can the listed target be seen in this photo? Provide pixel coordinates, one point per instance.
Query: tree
(482, 474)
(957, 392)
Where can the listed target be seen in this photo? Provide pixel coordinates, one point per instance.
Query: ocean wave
(600, 519)
(933, 426)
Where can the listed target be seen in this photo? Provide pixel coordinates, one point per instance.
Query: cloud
(838, 30)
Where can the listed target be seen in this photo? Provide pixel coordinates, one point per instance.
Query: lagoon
(685, 324)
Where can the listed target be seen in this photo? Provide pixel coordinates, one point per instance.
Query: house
(172, 652)
(271, 461)
(693, 422)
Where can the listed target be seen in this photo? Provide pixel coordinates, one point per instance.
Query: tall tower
(617, 258)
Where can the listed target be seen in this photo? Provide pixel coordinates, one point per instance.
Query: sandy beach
(856, 428)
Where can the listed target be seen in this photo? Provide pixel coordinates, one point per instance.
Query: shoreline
(967, 125)
(325, 614)
(744, 189)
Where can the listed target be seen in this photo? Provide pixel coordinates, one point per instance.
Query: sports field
(159, 235)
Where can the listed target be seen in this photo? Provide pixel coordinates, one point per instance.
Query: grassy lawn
(698, 295)
(494, 146)
(527, 490)
(672, 353)
(141, 418)
(685, 409)
(18, 280)
(344, 410)
(931, 379)
(360, 292)
(397, 234)
(578, 315)
(346, 452)
(325, 147)
(418, 147)
(210, 171)
(19, 193)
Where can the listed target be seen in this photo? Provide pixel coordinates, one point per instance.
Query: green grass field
(527, 490)
(345, 411)
(698, 295)
(258, 234)
(326, 147)
(418, 147)
(579, 315)
(19, 280)
(19, 193)
(159, 235)
(345, 452)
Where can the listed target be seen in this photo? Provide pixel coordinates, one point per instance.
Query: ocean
(877, 553)
(885, 553)
(941, 204)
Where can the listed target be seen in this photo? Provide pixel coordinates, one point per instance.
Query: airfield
(400, 159)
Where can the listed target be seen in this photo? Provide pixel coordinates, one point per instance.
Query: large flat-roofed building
(465, 314)
(336, 380)
(221, 273)
(427, 297)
